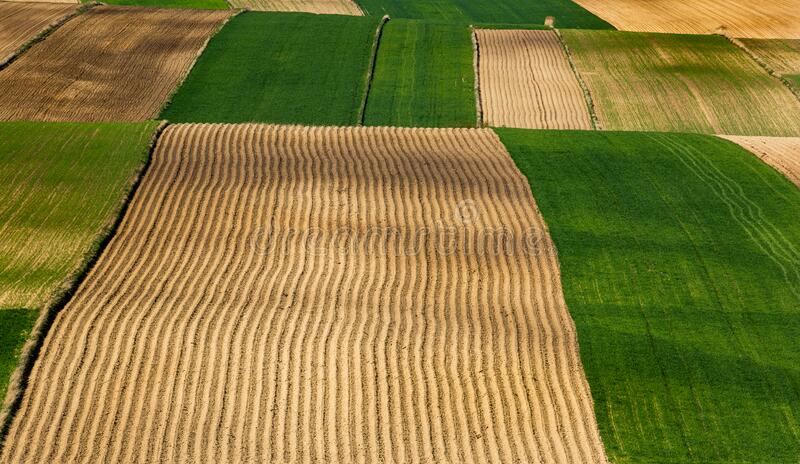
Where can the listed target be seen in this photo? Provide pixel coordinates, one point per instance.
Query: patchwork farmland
(311, 359)
(526, 81)
(300, 231)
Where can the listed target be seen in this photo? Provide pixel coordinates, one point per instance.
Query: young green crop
(64, 184)
(680, 258)
(280, 67)
(423, 77)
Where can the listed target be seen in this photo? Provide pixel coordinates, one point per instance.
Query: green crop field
(282, 68)
(782, 55)
(681, 83)
(199, 4)
(565, 12)
(680, 258)
(63, 186)
(424, 77)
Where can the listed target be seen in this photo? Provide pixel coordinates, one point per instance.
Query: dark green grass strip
(423, 77)
(15, 324)
(680, 258)
(279, 67)
(197, 4)
(567, 14)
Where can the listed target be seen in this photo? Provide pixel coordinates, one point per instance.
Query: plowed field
(342, 7)
(526, 81)
(20, 22)
(739, 18)
(109, 64)
(295, 294)
(782, 153)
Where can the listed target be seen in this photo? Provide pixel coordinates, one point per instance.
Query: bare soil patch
(21, 22)
(738, 18)
(526, 81)
(782, 153)
(109, 64)
(342, 7)
(298, 294)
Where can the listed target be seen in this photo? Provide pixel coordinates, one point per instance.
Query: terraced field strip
(341, 7)
(680, 260)
(782, 56)
(680, 83)
(63, 186)
(108, 64)
(294, 68)
(565, 12)
(21, 22)
(299, 294)
(424, 76)
(526, 81)
(739, 18)
(782, 153)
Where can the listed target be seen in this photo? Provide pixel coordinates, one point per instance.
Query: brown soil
(223, 324)
(21, 22)
(738, 18)
(109, 64)
(782, 153)
(342, 7)
(526, 81)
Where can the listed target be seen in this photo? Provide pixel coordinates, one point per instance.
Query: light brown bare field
(526, 81)
(109, 64)
(297, 294)
(21, 22)
(43, 1)
(342, 7)
(782, 153)
(773, 19)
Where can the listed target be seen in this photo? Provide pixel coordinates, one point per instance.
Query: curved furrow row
(302, 294)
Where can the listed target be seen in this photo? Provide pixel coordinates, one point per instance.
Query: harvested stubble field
(526, 81)
(280, 67)
(680, 259)
(299, 294)
(200, 4)
(566, 12)
(782, 56)
(108, 64)
(739, 18)
(21, 22)
(342, 7)
(782, 153)
(63, 185)
(424, 76)
(680, 83)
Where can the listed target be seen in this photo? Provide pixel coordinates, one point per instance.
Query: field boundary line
(64, 293)
(50, 29)
(476, 65)
(362, 110)
(168, 101)
(741, 45)
(587, 94)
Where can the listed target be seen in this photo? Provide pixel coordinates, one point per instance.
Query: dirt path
(526, 81)
(21, 22)
(342, 7)
(739, 18)
(295, 294)
(782, 153)
(109, 64)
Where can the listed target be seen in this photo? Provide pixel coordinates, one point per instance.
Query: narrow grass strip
(786, 82)
(371, 69)
(476, 62)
